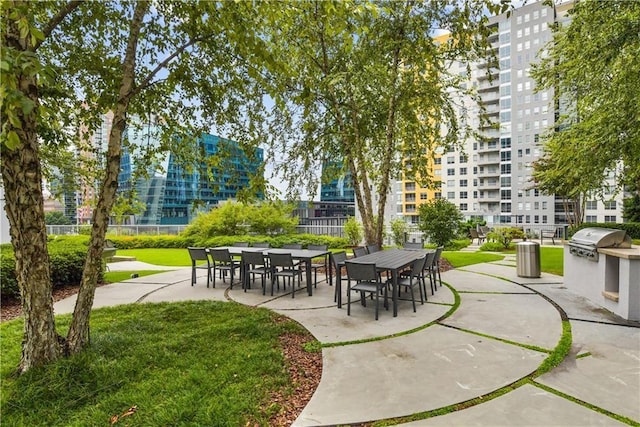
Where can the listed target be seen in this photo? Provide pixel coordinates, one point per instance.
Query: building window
(423, 196)
(463, 194)
(610, 206)
(591, 205)
(451, 172)
(437, 195)
(451, 183)
(544, 219)
(463, 206)
(463, 171)
(463, 183)
(451, 195)
(591, 218)
(437, 161)
(609, 218)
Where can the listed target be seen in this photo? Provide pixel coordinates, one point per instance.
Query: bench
(108, 252)
(548, 234)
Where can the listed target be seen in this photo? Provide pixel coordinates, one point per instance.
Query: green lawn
(170, 257)
(189, 363)
(551, 260)
(461, 259)
(119, 276)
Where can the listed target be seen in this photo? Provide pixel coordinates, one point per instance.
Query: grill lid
(602, 238)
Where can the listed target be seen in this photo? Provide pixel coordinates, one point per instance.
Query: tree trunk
(22, 179)
(79, 332)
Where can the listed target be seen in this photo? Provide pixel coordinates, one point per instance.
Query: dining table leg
(308, 271)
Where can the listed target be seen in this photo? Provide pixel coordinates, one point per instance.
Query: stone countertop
(629, 253)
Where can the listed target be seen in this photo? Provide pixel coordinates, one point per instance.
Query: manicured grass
(552, 260)
(170, 257)
(119, 276)
(190, 363)
(461, 259)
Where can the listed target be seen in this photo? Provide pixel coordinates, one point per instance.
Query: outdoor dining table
(393, 260)
(304, 255)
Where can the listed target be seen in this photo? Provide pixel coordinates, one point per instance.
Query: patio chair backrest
(361, 272)
(241, 244)
(292, 246)
(473, 233)
(220, 255)
(317, 247)
(436, 258)
(418, 266)
(253, 258)
(198, 254)
(281, 260)
(428, 262)
(359, 251)
(373, 248)
(262, 245)
(413, 245)
(339, 258)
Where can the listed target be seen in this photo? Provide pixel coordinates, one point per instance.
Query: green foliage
(492, 247)
(399, 230)
(56, 218)
(632, 228)
(67, 257)
(631, 208)
(188, 363)
(354, 231)
(271, 218)
(439, 221)
(232, 219)
(456, 245)
(504, 235)
(591, 68)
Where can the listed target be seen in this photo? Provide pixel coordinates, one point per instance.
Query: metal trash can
(528, 259)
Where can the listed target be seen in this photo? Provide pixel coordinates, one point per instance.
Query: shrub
(439, 220)
(504, 235)
(492, 247)
(399, 230)
(66, 256)
(353, 230)
(469, 224)
(456, 245)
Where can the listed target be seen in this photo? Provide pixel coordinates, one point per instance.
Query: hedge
(632, 228)
(67, 256)
(143, 242)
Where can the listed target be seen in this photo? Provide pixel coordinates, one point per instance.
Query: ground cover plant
(461, 259)
(192, 363)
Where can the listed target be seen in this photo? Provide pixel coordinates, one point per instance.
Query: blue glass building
(173, 193)
(339, 189)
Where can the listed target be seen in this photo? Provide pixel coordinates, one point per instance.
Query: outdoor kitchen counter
(630, 253)
(612, 281)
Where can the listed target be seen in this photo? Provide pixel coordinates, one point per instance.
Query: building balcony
(488, 160)
(489, 173)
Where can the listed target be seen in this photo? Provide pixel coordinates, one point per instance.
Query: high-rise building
(174, 194)
(339, 189)
(490, 177)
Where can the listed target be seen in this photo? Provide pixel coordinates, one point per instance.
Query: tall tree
(368, 84)
(592, 66)
(66, 63)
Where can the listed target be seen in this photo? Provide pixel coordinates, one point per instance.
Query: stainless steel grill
(585, 243)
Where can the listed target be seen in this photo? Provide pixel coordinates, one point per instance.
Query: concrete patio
(444, 354)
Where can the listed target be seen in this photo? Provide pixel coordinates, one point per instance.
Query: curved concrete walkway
(485, 331)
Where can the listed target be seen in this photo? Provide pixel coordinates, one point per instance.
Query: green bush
(439, 221)
(504, 235)
(353, 230)
(456, 245)
(399, 228)
(470, 224)
(66, 256)
(492, 247)
(632, 228)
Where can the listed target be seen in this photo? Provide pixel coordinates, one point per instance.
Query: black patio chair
(338, 260)
(366, 281)
(254, 263)
(318, 263)
(223, 262)
(435, 267)
(359, 251)
(199, 254)
(413, 245)
(414, 278)
(282, 265)
(372, 248)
